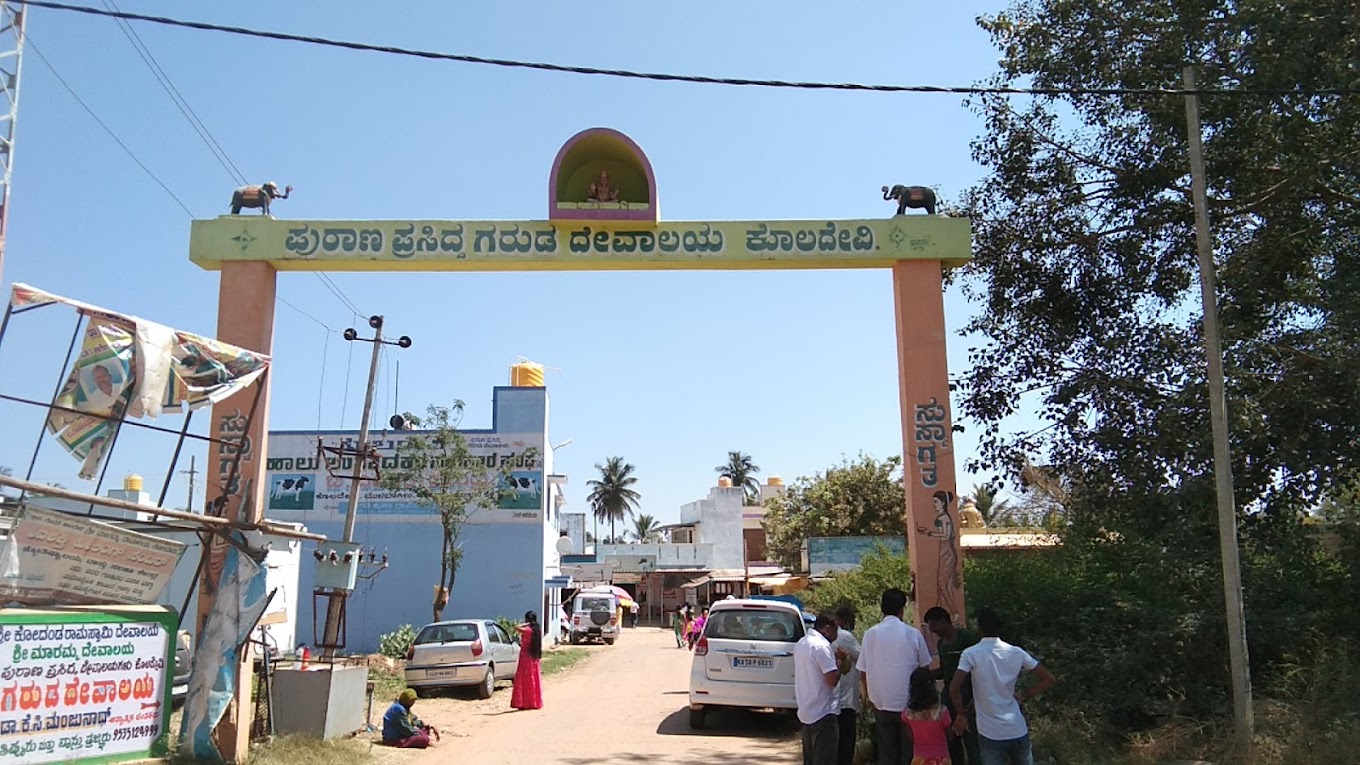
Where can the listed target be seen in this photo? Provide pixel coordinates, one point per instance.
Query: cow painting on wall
(292, 491)
(523, 490)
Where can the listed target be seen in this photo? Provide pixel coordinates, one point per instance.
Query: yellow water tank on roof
(526, 374)
(775, 480)
(725, 482)
(132, 483)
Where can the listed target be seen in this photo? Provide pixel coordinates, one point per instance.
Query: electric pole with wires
(332, 640)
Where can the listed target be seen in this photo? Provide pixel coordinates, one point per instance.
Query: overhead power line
(177, 98)
(209, 140)
(107, 129)
(691, 78)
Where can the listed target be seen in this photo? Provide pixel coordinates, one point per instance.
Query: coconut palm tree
(995, 512)
(645, 528)
(612, 497)
(742, 472)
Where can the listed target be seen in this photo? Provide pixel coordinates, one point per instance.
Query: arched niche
(579, 163)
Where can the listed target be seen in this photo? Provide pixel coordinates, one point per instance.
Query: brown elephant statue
(257, 196)
(914, 197)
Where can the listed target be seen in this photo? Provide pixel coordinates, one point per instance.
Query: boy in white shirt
(891, 651)
(994, 666)
(815, 674)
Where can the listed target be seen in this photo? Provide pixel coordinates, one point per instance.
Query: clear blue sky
(669, 370)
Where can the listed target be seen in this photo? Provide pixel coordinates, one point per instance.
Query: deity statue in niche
(600, 190)
(969, 515)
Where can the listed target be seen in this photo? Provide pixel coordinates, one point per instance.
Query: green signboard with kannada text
(87, 684)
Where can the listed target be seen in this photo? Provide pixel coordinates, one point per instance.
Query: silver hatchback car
(462, 652)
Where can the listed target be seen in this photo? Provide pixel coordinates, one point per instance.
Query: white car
(744, 658)
(461, 653)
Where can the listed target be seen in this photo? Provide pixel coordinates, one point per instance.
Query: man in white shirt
(994, 665)
(814, 684)
(847, 689)
(891, 651)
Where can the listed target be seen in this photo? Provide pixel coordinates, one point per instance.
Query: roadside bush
(1132, 624)
(863, 588)
(395, 644)
(510, 626)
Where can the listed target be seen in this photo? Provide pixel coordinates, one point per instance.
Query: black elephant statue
(257, 196)
(914, 197)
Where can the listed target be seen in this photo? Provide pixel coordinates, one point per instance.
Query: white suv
(595, 616)
(744, 658)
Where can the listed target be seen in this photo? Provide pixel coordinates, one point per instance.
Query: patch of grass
(305, 750)
(387, 684)
(561, 659)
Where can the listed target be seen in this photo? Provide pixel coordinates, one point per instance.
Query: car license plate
(752, 662)
(442, 672)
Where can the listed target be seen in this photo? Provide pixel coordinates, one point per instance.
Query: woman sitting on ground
(401, 727)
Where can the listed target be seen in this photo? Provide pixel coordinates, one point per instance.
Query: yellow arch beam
(319, 245)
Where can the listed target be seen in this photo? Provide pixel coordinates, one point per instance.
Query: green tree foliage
(741, 470)
(862, 497)
(1086, 277)
(441, 473)
(646, 529)
(612, 497)
(996, 512)
(1085, 261)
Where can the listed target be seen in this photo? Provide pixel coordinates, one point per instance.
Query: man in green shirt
(952, 641)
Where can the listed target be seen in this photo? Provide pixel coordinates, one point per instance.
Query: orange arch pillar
(245, 318)
(932, 517)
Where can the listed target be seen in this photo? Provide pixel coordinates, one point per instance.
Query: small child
(929, 720)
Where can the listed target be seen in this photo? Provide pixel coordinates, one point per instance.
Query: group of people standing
(977, 721)
(401, 727)
(687, 626)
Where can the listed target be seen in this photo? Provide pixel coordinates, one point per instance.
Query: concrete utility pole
(1239, 664)
(336, 602)
(191, 472)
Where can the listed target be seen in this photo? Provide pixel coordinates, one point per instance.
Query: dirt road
(627, 703)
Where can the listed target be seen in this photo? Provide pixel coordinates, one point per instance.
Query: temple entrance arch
(603, 215)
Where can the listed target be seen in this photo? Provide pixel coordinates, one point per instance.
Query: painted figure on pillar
(915, 197)
(949, 576)
(599, 190)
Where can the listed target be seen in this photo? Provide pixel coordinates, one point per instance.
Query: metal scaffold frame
(12, 25)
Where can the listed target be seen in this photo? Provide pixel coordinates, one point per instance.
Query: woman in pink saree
(528, 692)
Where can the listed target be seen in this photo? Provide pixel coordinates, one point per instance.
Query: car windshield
(754, 624)
(447, 633)
(594, 604)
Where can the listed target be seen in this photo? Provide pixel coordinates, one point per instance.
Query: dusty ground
(627, 703)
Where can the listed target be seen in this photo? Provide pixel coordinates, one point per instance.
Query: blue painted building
(508, 551)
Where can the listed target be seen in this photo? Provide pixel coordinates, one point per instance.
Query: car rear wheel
(609, 641)
(488, 684)
(696, 718)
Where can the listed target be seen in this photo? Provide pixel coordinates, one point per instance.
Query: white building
(709, 548)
